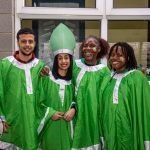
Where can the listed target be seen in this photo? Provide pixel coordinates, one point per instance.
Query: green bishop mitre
(62, 40)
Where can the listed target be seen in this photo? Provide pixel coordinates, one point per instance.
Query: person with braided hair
(125, 104)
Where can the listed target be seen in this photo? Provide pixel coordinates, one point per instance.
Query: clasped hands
(66, 116)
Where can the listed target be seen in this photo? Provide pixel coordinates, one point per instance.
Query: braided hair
(128, 51)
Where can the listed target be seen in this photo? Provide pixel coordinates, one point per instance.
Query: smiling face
(117, 59)
(90, 50)
(63, 62)
(26, 43)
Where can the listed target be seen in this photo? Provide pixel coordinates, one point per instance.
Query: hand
(57, 115)
(5, 126)
(69, 114)
(45, 71)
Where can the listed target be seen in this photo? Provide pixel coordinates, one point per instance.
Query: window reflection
(136, 33)
(44, 28)
(130, 3)
(61, 3)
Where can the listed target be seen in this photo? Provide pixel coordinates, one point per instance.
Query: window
(44, 28)
(113, 20)
(61, 3)
(136, 34)
(130, 3)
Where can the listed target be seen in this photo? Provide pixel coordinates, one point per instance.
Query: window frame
(103, 12)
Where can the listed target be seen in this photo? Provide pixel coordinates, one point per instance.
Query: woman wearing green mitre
(57, 132)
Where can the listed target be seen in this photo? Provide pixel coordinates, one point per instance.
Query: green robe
(18, 83)
(88, 81)
(125, 115)
(57, 135)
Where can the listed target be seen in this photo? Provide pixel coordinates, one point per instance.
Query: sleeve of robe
(44, 112)
(140, 107)
(106, 78)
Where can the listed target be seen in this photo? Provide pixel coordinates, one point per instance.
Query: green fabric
(148, 78)
(126, 125)
(56, 135)
(83, 61)
(18, 107)
(62, 38)
(86, 132)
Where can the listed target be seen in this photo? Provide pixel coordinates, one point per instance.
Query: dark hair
(128, 51)
(25, 31)
(55, 69)
(103, 44)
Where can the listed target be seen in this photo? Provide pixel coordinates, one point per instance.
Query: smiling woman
(61, 3)
(59, 92)
(125, 102)
(63, 63)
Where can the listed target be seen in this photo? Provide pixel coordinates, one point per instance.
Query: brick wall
(6, 27)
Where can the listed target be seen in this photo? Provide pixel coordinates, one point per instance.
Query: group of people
(78, 104)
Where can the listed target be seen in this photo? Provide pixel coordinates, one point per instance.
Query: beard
(27, 54)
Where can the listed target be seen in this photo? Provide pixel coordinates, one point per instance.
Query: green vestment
(18, 83)
(125, 112)
(57, 135)
(88, 81)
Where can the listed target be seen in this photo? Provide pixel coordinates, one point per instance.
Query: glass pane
(61, 3)
(44, 28)
(130, 3)
(135, 33)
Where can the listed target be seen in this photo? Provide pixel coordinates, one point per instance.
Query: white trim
(147, 145)
(118, 78)
(1, 127)
(20, 5)
(28, 80)
(8, 146)
(26, 68)
(89, 68)
(93, 147)
(2, 118)
(62, 84)
(41, 125)
(109, 6)
(99, 5)
(102, 141)
(58, 81)
(104, 28)
(68, 51)
(104, 23)
(59, 13)
(84, 68)
(71, 127)
(129, 14)
(78, 80)
(62, 93)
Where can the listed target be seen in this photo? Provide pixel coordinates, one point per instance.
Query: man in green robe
(18, 83)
